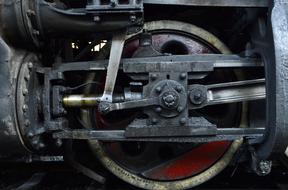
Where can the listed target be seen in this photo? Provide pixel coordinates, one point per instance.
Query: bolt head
(265, 167)
(180, 109)
(9, 124)
(25, 91)
(97, 19)
(158, 109)
(183, 76)
(30, 65)
(59, 142)
(133, 18)
(27, 77)
(182, 121)
(104, 108)
(113, 4)
(169, 99)
(27, 123)
(197, 96)
(25, 108)
(159, 89)
(41, 145)
(179, 89)
(35, 142)
(154, 120)
(30, 135)
(153, 76)
(36, 32)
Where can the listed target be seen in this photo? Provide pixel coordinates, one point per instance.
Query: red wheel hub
(163, 161)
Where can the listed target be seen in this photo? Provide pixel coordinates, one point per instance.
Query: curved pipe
(27, 21)
(11, 141)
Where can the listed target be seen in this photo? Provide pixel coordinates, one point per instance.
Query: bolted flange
(170, 99)
(264, 167)
(172, 95)
(198, 95)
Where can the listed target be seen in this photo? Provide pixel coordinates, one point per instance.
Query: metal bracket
(228, 134)
(113, 66)
(232, 92)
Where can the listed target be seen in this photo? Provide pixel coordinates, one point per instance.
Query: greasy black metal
(269, 43)
(28, 103)
(119, 135)
(14, 25)
(80, 21)
(70, 158)
(33, 183)
(211, 3)
(53, 116)
(146, 48)
(33, 21)
(259, 166)
(177, 63)
(196, 126)
(112, 6)
(10, 62)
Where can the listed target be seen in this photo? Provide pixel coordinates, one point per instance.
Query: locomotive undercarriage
(158, 101)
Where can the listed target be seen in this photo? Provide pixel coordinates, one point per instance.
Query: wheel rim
(209, 159)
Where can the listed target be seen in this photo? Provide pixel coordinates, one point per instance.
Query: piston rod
(87, 101)
(224, 93)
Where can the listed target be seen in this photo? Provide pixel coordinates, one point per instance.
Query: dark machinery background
(157, 94)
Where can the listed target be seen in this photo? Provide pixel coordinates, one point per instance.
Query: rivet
(27, 77)
(154, 121)
(183, 76)
(113, 3)
(159, 89)
(97, 19)
(133, 18)
(27, 123)
(35, 142)
(36, 32)
(30, 135)
(41, 145)
(25, 108)
(25, 92)
(9, 125)
(180, 109)
(179, 89)
(30, 65)
(153, 76)
(158, 109)
(182, 121)
(58, 142)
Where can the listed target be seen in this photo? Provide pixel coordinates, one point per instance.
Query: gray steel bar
(119, 135)
(236, 92)
(113, 66)
(188, 63)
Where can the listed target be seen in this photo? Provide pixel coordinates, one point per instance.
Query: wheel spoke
(188, 164)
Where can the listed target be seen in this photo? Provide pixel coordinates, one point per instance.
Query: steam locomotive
(163, 94)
